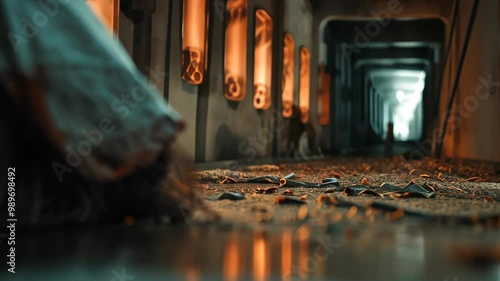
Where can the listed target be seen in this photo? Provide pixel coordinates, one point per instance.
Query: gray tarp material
(102, 113)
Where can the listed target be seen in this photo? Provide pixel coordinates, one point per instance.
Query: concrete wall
(181, 95)
(159, 35)
(164, 65)
(218, 129)
(126, 33)
(236, 130)
(473, 129)
(298, 22)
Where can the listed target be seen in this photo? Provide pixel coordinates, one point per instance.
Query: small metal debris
(330, 182)
(473, 179)
(268, 190)
(228, 196)
(282, 182)
(354, 190)
(288, 192)
(228, 179)
(393, 191)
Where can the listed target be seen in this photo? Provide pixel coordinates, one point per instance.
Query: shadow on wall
(227, 144)
(291, 134)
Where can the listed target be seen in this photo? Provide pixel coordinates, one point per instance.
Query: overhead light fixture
(400, 96)
(324, 96)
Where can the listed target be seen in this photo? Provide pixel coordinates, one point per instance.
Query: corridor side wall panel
(236, 130)
(473, 126)
(298, 22)
(181, 95)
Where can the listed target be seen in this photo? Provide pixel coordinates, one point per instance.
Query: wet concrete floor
(322, 247)
(404, 250)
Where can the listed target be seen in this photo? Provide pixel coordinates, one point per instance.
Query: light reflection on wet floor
(378, 252)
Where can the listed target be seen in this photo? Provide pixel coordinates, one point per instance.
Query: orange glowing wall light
(108, 11)
(263, 59)
(305, 83)
(324, 96)
(235, 66)
(194, 30)
(288, 75)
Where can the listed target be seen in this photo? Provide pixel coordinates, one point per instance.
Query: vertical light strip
(304, 235)
(235, 62)
(263, 59)
(286, 255)
(193, 41)
(305, 84)
(324, 96)
(232, 259)
(261, 258)
(288, 75)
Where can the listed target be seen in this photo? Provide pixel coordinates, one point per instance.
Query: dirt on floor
(465, 192)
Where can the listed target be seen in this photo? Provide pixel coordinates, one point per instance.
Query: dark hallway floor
(455, 235)
(404, 250)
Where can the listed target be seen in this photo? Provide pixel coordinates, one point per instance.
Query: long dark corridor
(382, 72)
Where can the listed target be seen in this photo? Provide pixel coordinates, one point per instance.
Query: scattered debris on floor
(387, 190)
(379, 189)
(228, 196)
(268, 190)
